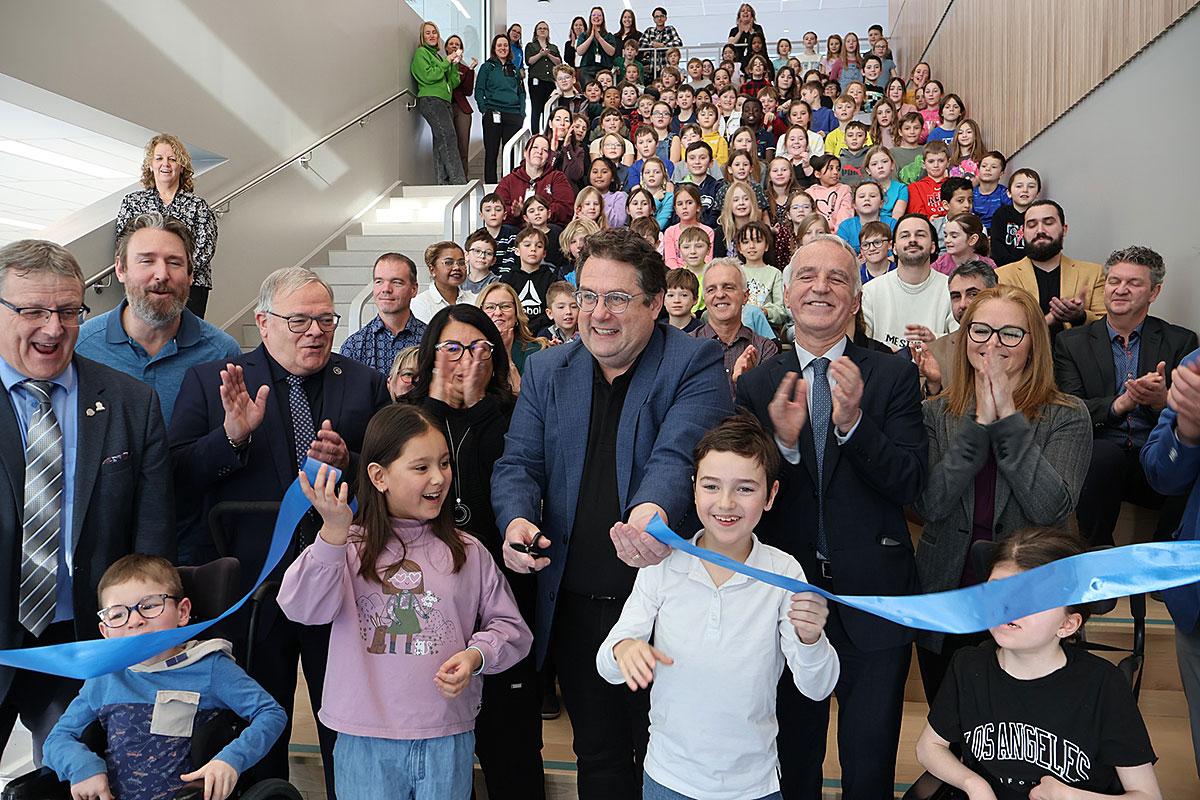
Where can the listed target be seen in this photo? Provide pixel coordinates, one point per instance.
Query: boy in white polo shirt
(721, 639)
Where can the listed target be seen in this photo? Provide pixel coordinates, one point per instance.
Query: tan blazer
(1074, 276)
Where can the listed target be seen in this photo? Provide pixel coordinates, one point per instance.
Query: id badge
(533, 81)
(596, 58)
(496, 117)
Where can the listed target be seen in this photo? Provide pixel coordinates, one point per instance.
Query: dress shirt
(729, 644)
(376, 346)
(792, 454)
(767, 348)
(64, 399)
(104, 339)
(1134, 427)
(430, 301)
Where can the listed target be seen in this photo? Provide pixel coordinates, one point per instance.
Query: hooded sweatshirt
(531, 291)
(553, 186)
(150, 712)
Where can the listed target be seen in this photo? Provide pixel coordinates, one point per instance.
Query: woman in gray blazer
(1007, 450)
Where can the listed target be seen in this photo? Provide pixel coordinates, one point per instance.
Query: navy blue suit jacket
(678, 392)
(1172, 469)
(867, 483)
(207, 471)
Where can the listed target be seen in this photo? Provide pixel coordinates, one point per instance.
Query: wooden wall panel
(1021, 64)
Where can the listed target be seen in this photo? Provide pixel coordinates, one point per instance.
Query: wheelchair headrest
(212, 587)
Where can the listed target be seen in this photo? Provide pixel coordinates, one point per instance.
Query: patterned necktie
(820, 411)
(302, 421)
(42, 520)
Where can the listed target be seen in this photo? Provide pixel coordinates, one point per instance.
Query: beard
(157, 311)
(1042, 250)
(908, 258)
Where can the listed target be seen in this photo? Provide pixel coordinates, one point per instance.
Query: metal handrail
(221, 206)
(454, 228)
(508, 156)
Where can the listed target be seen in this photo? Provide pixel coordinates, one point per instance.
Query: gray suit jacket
(123, 494)
(1040, 468)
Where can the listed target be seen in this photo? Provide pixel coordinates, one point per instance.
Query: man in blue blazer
(239, 432)
(100, 491)
(840, 512)
(601, 439)
(1171, 459)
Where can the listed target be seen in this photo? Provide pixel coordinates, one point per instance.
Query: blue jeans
(368, 768)
(653, 790)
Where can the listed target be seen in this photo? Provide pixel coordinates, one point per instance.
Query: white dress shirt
(792, 454)
(712, 712)
(430, 301)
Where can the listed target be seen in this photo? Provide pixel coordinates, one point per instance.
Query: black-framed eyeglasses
(70, 317)
(616, 302)
(150, 606)
(299, 323)
(874, 244)
(1008, 335)
(480, 349)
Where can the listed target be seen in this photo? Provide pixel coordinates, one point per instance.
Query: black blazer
(1083, 363)
(867, 484)
(207, 471)
(122, 500)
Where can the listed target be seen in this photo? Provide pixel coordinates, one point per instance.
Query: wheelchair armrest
(41, 784)
(193, 790)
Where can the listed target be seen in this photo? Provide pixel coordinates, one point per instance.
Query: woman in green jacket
(437, 76)
(500, 95)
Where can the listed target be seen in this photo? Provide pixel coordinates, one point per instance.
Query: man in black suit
(84, 460)
(1120, 366)
(239, 433)
(848, 423)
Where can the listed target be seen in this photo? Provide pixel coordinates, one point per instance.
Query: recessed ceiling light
(20, 223)
(58, 160)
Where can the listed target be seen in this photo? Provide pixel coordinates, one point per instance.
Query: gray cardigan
(1040, 467)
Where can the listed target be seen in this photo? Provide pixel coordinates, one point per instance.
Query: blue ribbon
(95, 657)
(1100, 575)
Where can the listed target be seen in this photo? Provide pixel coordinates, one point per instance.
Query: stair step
(358, 276)
(430, 230)
(404, 243)
(431, 191)
(352, 258)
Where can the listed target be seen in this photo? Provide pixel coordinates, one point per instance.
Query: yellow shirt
(720, 148)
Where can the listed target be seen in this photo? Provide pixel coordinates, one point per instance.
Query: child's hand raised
(454, 675)
(93, 788)
(219, 779)
(331, 501)
(636, 660)
(808, 614)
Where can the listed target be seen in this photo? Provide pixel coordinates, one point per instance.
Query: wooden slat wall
(1020, 64)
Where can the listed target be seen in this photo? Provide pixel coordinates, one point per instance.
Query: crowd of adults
(902, 374)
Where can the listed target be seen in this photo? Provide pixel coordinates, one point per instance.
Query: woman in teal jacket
(500, 95)
(436, 76)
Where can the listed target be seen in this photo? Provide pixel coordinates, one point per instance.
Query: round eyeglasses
(1008, 335)
(150, 606)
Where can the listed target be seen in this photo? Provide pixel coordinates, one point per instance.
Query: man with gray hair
(84, 470)
(848, 423)
(1120, 366)
(241, 430)
(725, 296)
(152, 335)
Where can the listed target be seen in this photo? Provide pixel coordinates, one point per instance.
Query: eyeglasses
(150, 606)
(874, 244)
(481, 252)
(454, 262)
(1009, 335)
(491, 308)
(480, 349)
(616, 302)
(300, 323)
(406, 375)
(69, 317)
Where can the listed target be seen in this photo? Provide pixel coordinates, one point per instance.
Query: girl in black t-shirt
(1035, 717)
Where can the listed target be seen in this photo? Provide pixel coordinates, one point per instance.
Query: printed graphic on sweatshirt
(1029, 744)
(531, 301)
(1014, 235)
(403, 617)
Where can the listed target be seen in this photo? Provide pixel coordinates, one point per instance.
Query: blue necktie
(820, 411)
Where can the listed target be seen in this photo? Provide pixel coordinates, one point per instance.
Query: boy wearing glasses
(150, 710)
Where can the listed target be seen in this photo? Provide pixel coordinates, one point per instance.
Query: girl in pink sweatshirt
(418, 608)
(831, 197)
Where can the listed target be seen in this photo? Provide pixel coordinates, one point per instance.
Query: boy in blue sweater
(150, 710)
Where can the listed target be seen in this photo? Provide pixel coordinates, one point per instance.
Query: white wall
(1123, 165)
(252, 81)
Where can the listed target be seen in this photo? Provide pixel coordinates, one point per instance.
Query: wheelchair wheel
(272, 789)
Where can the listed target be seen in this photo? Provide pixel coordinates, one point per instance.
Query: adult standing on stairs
(541, 57)
(461, 109)
(167, 175)
(500, 95)
(437, 76)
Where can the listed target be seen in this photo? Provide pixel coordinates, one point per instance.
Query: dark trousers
(539, 93)
(934, 666)
(611, 724)
(447, 165)
(276, 656)
(508, 734)
(870, 695)
(462, 135)
(1115, 474)
(197, 300)
(37, 698)
(495, 135)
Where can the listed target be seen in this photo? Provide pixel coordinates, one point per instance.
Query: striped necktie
(42, 520)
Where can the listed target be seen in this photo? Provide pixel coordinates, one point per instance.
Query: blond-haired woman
(167, 178)
(437, 76)
(500, 302)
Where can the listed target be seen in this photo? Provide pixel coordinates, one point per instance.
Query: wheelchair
(212, 587)
(928, 787)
